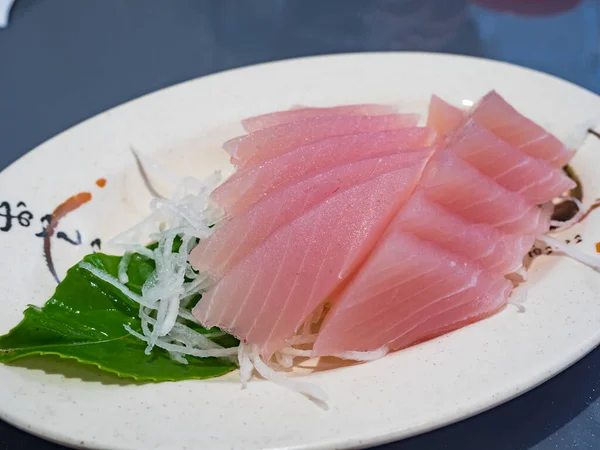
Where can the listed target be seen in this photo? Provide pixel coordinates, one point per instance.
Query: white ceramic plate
(403, 394)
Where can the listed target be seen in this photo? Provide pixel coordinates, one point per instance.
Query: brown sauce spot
(597, 247)
(565, 211)
(101, 182)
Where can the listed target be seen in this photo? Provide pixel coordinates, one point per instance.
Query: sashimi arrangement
(345, 232)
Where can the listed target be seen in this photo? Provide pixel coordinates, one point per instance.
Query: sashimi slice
(535, 179)
(271, 142)
(405, 283)
(269, 294)
(241, 234)
(246, 187)
(443, 117)
(293, 115)
(495, 114)
(461, 311)
(465, 191)
(495, 251)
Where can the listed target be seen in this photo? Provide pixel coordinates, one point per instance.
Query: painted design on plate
(18, 215)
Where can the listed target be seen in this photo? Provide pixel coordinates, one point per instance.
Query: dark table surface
(64, 61)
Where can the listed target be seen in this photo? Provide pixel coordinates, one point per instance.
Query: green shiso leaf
(84, 321)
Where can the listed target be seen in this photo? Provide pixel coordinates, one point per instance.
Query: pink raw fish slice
(271, 142)
(268, 295)
(465, 191)
(246, 187)
(494, 250)
(495, 114)
(464, 309)
(293, 115)
(430, 320)
(241, 234)
(536, 180)
(444, 117)
(405, 282)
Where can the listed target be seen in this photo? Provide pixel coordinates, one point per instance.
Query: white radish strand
(123, 266)
(182, 349)
(518, 298)
(178, 357)
(285, 361)
(173, 283)
(101, 274)
(187, 315)
(313, 392)
(246, 366)
(364, 356)
(571, 251)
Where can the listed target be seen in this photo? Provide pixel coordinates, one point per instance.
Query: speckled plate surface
(403, 394)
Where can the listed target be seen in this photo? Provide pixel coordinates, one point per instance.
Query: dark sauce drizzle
(567, 209)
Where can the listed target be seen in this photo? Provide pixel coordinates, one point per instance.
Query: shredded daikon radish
(188, 336)
(116, 283)
(201, 283)
(178, 357)
(143, 251)
(189, 210)
(145, 318)
(170, 284)
(518, 298)
(187, 216)
(313, 392)
(364, 356)
(123, 266)
(154, 334)
(185, 314)
(246, 366)
(182, 349)
(284, 360)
